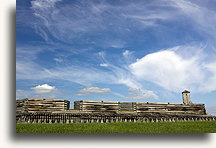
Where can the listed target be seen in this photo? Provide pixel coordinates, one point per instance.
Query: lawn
(155, 127)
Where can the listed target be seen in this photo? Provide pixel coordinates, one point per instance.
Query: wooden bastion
(58, 111)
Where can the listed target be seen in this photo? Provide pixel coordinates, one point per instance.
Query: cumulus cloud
(45, 88)
(175, 71)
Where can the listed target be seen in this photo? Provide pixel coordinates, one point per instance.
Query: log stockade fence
(57, 111)
(100, 118)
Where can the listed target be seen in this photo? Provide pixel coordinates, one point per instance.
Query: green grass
(159, 127)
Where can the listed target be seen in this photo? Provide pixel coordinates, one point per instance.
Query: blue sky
(117, 50)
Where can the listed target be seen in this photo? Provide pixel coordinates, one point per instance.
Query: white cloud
(59, 60)
(45, 88)
(141, 94)
(81, 94)
(127, 53)
(174, 71)
(118, 94)
(129, 81)
(133, 89)
(104, 65)
(43, 4)
(147, 95)
(95, 90)
(92, 90)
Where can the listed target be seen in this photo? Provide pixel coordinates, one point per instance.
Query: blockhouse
(186, 97)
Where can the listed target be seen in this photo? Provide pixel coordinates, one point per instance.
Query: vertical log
(129, 120)
(135, 120)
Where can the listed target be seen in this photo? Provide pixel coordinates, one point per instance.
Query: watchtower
(186, 97)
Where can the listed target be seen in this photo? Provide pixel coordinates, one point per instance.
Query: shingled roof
(185, 91)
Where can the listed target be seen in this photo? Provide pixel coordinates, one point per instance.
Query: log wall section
(143, 107)
(41, 105)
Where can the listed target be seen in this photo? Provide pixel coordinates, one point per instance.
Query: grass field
(159, 127)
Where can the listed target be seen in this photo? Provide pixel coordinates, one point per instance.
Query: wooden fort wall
(97, 106)
(41, 105)
(57, 111)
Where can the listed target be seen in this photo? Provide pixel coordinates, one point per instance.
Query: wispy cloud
(211, 110)
(141, 94)
(59, 60)
(199, 15)
(43, 4)
(127, 53)
(88, 22)
(90, 19)
(95, 90)
(121, 73)
(89, 90)
(104, 65)
(92, 90)
(20, 94)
